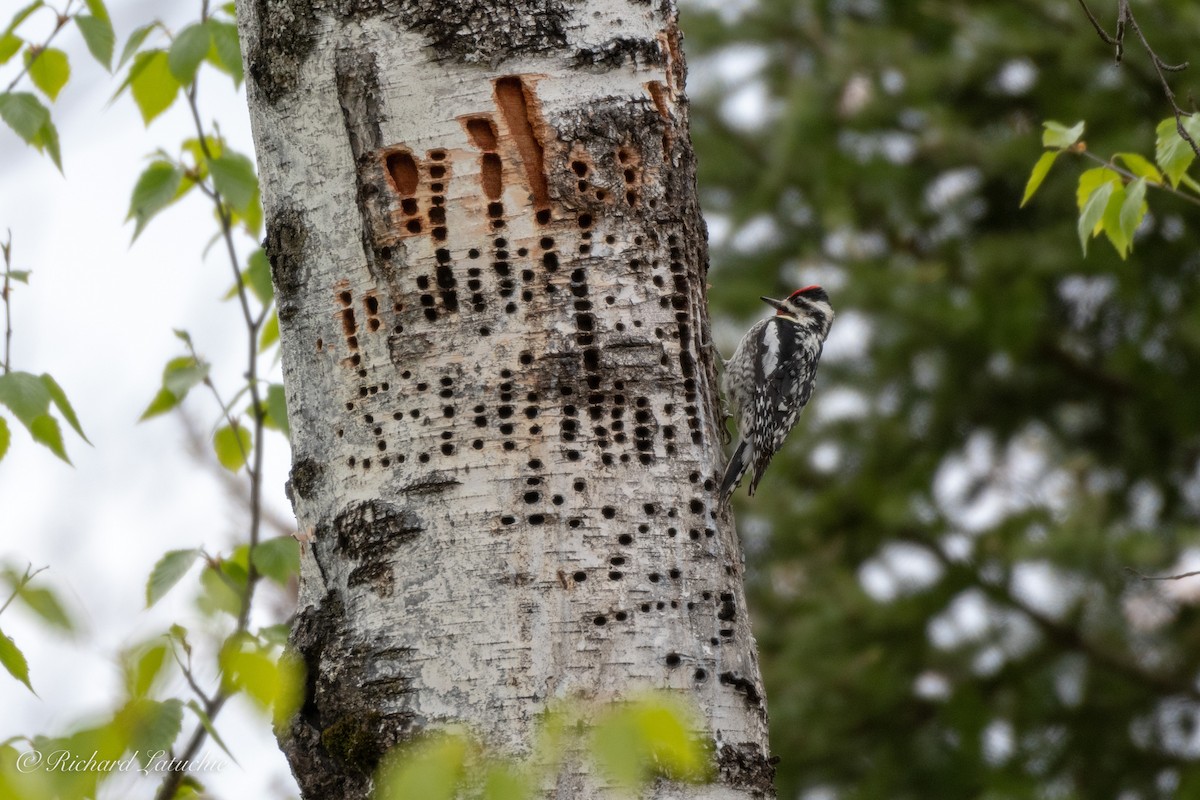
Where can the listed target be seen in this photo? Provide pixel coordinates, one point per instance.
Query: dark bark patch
(306, 474)
(621, 50)
(356, 75)
(287, 235)
(354, 708)
(377, 574)
(474, 32)
(370, 530)
(745, 686)
(286, 37)
(430, 486)
(746, 766)
(352, 741)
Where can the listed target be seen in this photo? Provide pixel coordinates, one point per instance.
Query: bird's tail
(739, 462)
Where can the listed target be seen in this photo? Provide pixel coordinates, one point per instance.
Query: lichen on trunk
(484, 233)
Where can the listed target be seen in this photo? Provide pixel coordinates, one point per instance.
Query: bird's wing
(785, 386)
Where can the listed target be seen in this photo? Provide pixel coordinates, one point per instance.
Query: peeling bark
(490, 264)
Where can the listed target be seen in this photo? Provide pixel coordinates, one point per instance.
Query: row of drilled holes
(628, 173)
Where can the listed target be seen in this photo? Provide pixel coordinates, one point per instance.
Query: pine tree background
(944, 558)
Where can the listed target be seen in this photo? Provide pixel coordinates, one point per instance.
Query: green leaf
(151, 725)
(1058, 135)
(222, 589)
(190, 47)
(232, 446)
(10, 45)
(178, 634)
(153, 86)
(207, 724)
(277, 558)
(134, 42)
(143, 665)
(156, 188)
(431, 769)
(1092, 214)
(249, 218)
(168, 572)
(227, 49)
(258, 275)
(194, 148)
(26, 115)
(41, 601)
(1110, 222)
(49, 71)
(634, 741)
(503, 781)
(183, 374)
(19, 275)
(22, 15)
(246, 668)
(1093, 179)
(233, 176)
(14, 661)
(63, 404)
(1039, 174)
(98, 9)
(276, 634)
(1173, 154)
(25, 395)
(277, 407)
(1133, 209)
(163, 402)
(98, 34)
(290, 686)
(270, 333)
(1140, 166)
(5, 438)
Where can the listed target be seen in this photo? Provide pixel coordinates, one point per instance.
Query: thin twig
(225, 407)
(63, 19)
(1126, 19)
(186, 669)
(1179, 577)
(1062, 634)
(1166, 187)
(212, 706)
(21, 584)
(1103, 34)
(6, 294)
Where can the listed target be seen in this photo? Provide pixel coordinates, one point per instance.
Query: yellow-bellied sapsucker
(770, 378)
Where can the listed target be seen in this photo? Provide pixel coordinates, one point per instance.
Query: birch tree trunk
(490, 269)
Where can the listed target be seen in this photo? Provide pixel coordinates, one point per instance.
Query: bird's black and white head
(808, 307)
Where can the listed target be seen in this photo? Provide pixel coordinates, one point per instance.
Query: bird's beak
(776, 304)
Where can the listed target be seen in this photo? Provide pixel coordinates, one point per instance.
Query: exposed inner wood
(513, 105)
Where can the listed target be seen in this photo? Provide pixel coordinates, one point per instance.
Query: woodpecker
(770, 379)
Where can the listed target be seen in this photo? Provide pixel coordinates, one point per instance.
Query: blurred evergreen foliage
(942, 559)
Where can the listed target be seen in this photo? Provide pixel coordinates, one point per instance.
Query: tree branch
(1127, 20)
(63, 19)
(1065, 636)
(6, 295)
(212, 706)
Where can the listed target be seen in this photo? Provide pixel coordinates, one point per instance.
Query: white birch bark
(490, 269)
